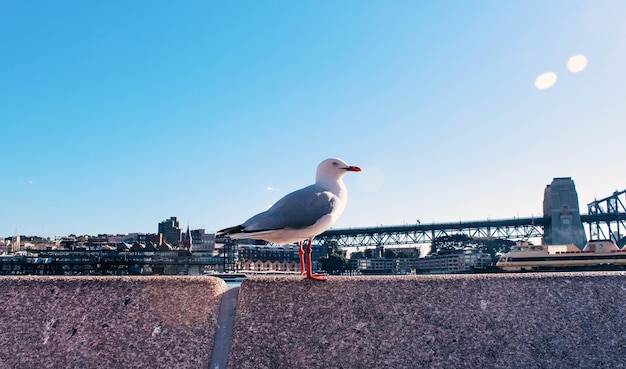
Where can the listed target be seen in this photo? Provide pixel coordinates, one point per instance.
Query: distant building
(171, 231)
(97, 242)
(452, 263)
(15, 244)
(11, 245)
(187, 241)
(433, 264)
(560, 204)
(378, 265)
(156, 239)
(202, 241)
(283, 255)
(128, 238)
(268, 253)
(269, 266)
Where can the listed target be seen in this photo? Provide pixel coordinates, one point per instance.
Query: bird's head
(334, 168)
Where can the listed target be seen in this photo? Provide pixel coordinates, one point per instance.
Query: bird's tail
(230, 230)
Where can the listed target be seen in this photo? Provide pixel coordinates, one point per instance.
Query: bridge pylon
(560, 206)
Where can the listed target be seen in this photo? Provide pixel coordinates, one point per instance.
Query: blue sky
(116, 115)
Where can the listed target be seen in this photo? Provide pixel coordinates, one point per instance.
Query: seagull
(302, 214)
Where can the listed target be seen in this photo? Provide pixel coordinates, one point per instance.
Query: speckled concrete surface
(108, 322)
(564, 320)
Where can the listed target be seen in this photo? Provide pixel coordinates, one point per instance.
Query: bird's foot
(317, 277)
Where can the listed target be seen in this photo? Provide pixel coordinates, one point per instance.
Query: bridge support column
(560, 204)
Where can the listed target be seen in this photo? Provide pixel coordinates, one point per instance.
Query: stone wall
(462, 321)
(108, 322)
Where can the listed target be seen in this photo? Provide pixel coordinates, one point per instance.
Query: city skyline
(118, 115)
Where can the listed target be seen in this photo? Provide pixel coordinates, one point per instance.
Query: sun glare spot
(577, 63)
(545, 80)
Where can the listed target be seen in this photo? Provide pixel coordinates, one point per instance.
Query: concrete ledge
(108, 322)
(462, 321)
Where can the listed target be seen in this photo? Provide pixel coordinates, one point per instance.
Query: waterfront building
(257, 253)
(201, 240)
(96, 242)
(277, 253)
(147, 238)
(13, 244)
(268, 266)
(377, 266)
(171, 231)
(452, 263)
(128, 238)
(432, 264)
(281, 257)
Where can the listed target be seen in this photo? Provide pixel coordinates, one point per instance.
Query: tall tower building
(560, 204)
(170, 229)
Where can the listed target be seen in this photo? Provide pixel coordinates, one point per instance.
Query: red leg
(301, 252)
(309, 269)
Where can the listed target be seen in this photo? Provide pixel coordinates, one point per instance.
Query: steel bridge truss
(600, 226)
(511, 229)
(610, 222)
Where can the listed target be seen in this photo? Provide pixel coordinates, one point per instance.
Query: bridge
(606, 219)
(613, 224)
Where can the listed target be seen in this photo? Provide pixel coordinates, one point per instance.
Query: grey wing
(297, 210)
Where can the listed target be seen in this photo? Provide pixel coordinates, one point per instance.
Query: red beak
(353, 169)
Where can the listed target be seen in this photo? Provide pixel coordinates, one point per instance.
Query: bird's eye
(335, 164)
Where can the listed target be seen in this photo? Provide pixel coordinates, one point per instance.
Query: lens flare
(545, 80)
(577, 63)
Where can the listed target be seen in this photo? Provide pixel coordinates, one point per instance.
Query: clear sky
(116, 115)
